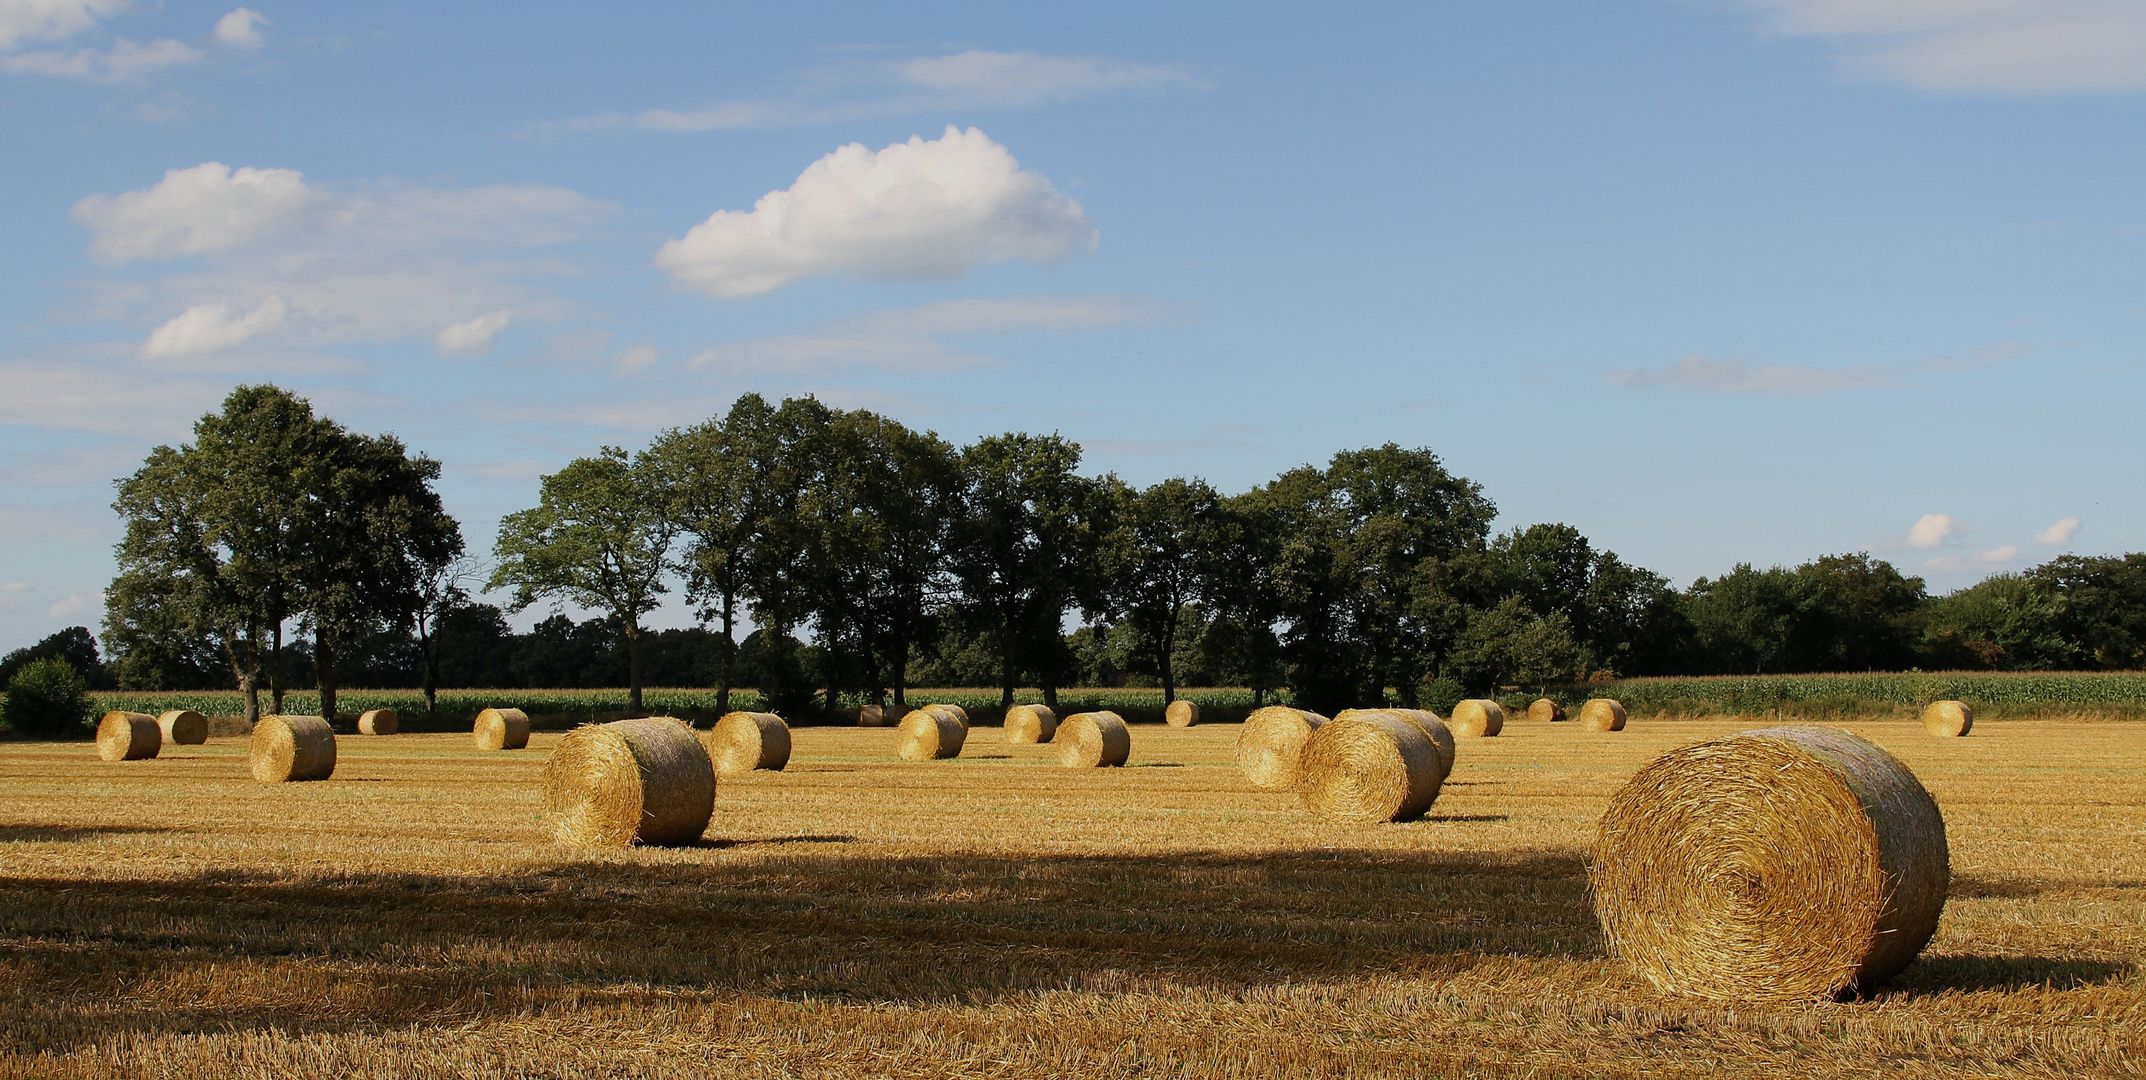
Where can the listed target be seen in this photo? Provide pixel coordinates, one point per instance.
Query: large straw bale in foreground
(644, 781)
(1545, 711)
(931, 733)
(1788, 863)
(1031, 724)
(1602, 714)
(1948, 719)
(1270, 749)
(183, 727)
(1477, 719)
(1433, 729)
(293, 748)
(376, 722)
(741, 742)
(128, 736)
(1181, 713)
(501, 729)
(1370, 766)
(1093, 740)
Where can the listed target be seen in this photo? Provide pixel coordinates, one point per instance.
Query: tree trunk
(900, 676)
(247, 672)
(1050, 693)
(726, 669)
(1005, 669)
(633, 667)
(275, 670)
(1163, 662)
(427, 646)
(324, 669)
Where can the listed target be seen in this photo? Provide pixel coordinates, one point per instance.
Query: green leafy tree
(2004, 621)
(600, 538)
(1162, 558)
(897, 495)
(2099, 607)
(1743, 621)
(75, 645)
(48, 699)
(712, 479)
(1026, 551)
(1856, 613)
(1510, 644)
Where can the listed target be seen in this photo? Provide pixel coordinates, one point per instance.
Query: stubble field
(997, 916)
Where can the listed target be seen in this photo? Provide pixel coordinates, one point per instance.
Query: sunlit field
(998, 916)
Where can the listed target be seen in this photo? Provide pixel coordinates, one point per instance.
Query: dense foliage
(47, 699)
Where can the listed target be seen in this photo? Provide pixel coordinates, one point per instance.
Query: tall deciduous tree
(1164, 555)
(1026, 550)
(711, 477)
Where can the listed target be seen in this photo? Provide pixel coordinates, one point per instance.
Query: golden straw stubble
(931, 733)
(1784, 864)
(1948, 719)
(376, 722)
(1181, 713)
(292, 748)
(500, 729)
(184, 727)
(742, 742)
(642, 781)
(128, 736)
(1270, 748)
(1477, 719)
(1031, 724)
(1093, 740)
(1370, 766)
(1602, 714)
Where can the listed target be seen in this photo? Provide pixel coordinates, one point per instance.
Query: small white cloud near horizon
(1932, 530)
(2023, 47)
(2059, 534)
(76, 604)
(907, 340)
(211, 327)
(240, 28)
(914, 210)
(1741, 376)
(1980, 560)
(194, 211)
(472, 337)
(636, 358)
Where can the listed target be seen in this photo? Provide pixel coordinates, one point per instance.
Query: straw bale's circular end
(1181, 713)
(376, 722)
(1093, 740)
(183, 727)
(644, 781)
(1371, 766)
(1784, 864)
(1031, 724)
(1602, 714)
(1478, 718)
(1428, 722)
(741, 742)
(1948, 719)
(931, 733)
(1270, 748)
(501, 729)
(1545, 711)
(292, 748)
(871, 716)
(128, 736)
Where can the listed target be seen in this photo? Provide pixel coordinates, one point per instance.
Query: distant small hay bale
(128, 736)
(643, 781)
(1270, 748)
(871, 716)
(932, 733)
(501, 729)
(1784, 864)
(1545, 711)
(1031, 724)
(1602, 714)
(376, 722)
(1181, 713)
(1479, 718)
(741, 742)
(1093, 740)
(183, 727)
(1370, 767)
(1433, 729)
(1948, 719)
(293, 748)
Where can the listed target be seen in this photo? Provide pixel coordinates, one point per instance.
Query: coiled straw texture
(184, 727)
(644, 781)
(741, 742)
(1477, 719)
(1370, 767)
(128, 736)
(931, 733)
(1181, 713)
(1270, 749)
(1432, 727)
(292, 748)
(1031, 724)
(501, 729)
(1948, 719)
(1093, 740)
(1545, 711)
(376, 722)
(1602, 714)
(1789, 863)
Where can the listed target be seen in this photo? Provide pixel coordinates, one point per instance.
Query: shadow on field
(68, 834)
(233, 951)
(1937, 974)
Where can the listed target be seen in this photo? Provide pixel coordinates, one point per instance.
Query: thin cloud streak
(1742, 376)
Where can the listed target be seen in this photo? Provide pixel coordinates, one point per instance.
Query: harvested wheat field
(995, 915)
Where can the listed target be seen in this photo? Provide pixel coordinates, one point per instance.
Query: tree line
(869, 557)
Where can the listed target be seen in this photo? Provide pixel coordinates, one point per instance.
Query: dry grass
(997, 916)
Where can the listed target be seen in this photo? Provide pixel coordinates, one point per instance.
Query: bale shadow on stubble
(1967, 974)
(67, 834)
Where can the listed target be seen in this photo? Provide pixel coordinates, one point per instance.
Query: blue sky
(1711, 281)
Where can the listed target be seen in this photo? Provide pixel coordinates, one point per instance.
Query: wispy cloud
(913, 339)
(1978, 46)
(124, 59)
(2059, 534)
(1932, 530)
(1742, 376)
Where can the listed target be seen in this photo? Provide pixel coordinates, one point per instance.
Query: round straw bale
(1788, 863)
(376, 722)
(1545, 711)
(957, 711)
(1031, 724)
(293, 748)
(128, 736)
(1270, 748)
(1602, 714)
(1433, 728)
(1948, 719)
(931, 733)
(1477, 719)
(1370, 766)
(183, 727)
(1093, 740)
(1181, 713)
(743, 741)
(501, 729)
(871, 716)
(644, 781)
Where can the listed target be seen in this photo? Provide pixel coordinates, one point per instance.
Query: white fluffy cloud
(1735, 376)
(126, 59)
(240, 28)
(47, 20)
(912, 210)
(211, 327)
(472, 337)
(2059, 534)
(206, 208)
(910, 339)
(1932, 530)
(1990, 46)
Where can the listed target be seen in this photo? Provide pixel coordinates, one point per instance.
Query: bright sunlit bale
(1093, 740)
(1181, 713)
(1602, 714)
(128, 736)
(1545, 711)
(1031, 724)
(931, 733)
(1370, 767)
(644, 781)
(1270, 749)
(1477, 719)
(500, 729)
(1948, 719)
(292, 748)
(376, 722)
(742, 742)
(1432, 727)
(183, 727)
